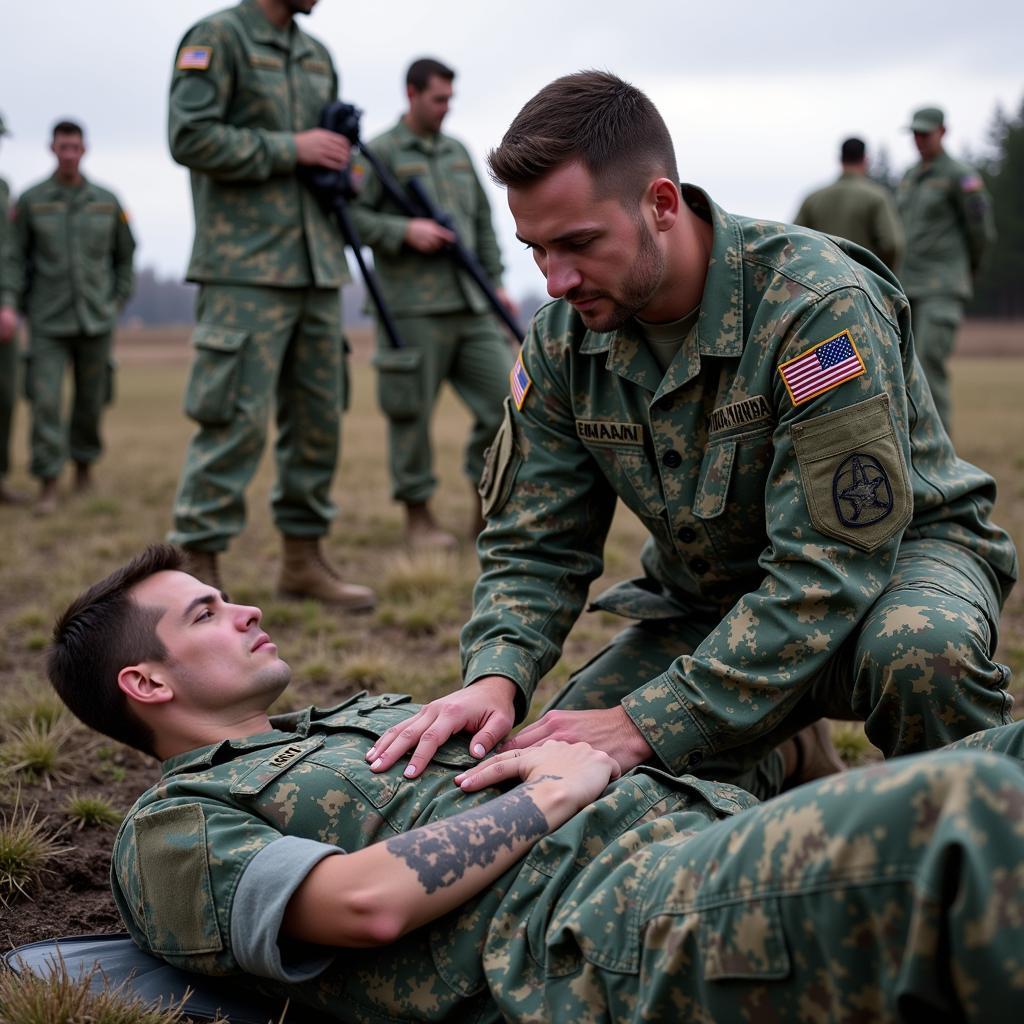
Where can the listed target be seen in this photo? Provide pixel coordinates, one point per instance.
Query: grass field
(409, 644)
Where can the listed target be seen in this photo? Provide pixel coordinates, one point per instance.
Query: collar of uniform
(408, 139)
(291, 39)
(58, 191)
(202, 757)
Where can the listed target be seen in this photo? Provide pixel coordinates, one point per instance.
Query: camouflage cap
(927, 119)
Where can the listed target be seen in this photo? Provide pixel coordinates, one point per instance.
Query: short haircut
(593, 117)
(68, 128)
(103, 630)
(421, 71)
(852, 151)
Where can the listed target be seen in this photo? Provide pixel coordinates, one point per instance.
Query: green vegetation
(91, 811)
(27, 849)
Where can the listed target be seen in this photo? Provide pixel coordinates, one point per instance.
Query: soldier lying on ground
(576, 894)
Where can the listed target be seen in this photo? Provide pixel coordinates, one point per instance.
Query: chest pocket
(733, 476)
(98, 227)
(632, 474)
(366, 721)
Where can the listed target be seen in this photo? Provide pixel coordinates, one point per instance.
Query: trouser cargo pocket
(213, 383)
(399, 383)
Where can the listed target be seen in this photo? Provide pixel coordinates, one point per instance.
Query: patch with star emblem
(854, 474)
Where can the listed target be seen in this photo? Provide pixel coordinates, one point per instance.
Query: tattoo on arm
(441, 853)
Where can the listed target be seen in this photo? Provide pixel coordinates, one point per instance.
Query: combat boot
(83, 478)
(306, 573)
(810, 754)
(46, 503)
(203, 565)
(421, 529)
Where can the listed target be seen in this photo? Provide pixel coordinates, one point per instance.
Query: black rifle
(334, 190)
(343, 118)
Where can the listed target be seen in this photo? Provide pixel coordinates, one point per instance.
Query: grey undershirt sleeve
(267, 884)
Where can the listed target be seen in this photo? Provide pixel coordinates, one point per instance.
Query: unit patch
(821, 368)
(739, 414)
(609, 432)
(861, 491)
(194, 58)
(520, 382)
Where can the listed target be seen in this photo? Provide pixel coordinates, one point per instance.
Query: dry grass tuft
(27, 847)
(91, 811)
(37, 750)
(62, 998)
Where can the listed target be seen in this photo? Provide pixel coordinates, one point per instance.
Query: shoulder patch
(194, 58)
(971, 183)
(821, 368)
(520, 382)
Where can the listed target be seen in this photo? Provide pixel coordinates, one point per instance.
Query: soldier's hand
(587, 770)
(486, 708)
(426, 235)
(8, 323)
(320, 148)
(607, 729)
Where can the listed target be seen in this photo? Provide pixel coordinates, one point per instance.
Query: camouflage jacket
(240, 90)
(858, 209)
(948, 220)
(68, 266)
(775, 502)
(274, 804)
(414, 282)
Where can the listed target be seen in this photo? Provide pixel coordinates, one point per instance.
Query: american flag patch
(520, 381)
(194, 58)
(830, 363)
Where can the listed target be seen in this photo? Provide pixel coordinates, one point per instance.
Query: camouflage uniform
(69, 269)
(8, 349)
(858, 209)
(814, 552)
(665, 899)
(440, 313)
(270, 261)
(948, 220)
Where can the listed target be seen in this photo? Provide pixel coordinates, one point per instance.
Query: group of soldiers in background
(269, 261)
(933, 236)
(66, 263)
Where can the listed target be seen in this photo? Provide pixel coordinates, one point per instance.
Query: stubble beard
(637, 290)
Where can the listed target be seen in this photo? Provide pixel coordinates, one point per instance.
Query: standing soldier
(948, 220)
(8, 350)
(855, 207)
(440, 313)
(246, 95)
(69, 266)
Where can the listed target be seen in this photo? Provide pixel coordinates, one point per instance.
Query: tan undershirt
(665, 340)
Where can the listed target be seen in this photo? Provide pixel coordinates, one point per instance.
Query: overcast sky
(757, 95)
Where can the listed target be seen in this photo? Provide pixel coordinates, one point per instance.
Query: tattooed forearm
(441, 853)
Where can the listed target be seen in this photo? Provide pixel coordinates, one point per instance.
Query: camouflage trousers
(8, 395)
(935, 320)
(471, 352)
(918, 669)
(53, 437)
(890, 893)
(257, 348)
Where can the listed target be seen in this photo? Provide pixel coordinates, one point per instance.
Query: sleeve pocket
(213, 383)
(501, 464)
(173, 861)
(854, 474)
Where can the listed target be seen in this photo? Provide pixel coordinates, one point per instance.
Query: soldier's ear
(663, 195)
(144, 684)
